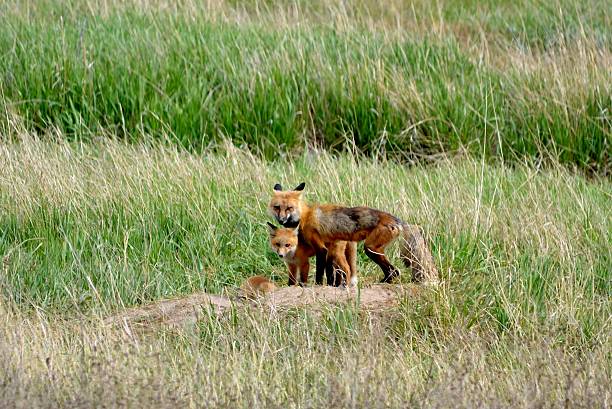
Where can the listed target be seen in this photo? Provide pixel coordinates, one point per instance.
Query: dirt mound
(175, 312)
(178, 312)
(380, 296)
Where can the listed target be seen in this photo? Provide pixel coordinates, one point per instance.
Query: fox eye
(277, 208)
(287, 245)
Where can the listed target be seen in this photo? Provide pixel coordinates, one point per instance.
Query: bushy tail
(416, 255)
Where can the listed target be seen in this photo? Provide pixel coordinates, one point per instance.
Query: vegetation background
(139, 142)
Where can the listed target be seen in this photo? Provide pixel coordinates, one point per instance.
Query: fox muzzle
(291, 221)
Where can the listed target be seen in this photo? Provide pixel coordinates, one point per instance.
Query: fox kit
(256, 286)
(321, 225)
(292, 248)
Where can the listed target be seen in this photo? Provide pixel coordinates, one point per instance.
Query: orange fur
(257, 286)
(295, 252)
(322, 226)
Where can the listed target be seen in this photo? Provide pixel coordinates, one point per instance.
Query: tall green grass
(521, 318)
(106, 224)
(508, 81)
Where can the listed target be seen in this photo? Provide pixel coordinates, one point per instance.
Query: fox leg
(330, 264)
(292, 274)
(329, 270)
(351, 257)
(304, 273)
(320, 255)
(338, 268)
(337, 271)
(321, 261)
(375, 245)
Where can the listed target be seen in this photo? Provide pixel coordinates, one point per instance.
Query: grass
(509, 80)
(139, 143)
(522, 318)
(265, 361)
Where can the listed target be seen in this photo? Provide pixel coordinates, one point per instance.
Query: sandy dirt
(184, 311)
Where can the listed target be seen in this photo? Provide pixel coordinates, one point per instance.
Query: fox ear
(272, 228)
(300, 187)
(278, 187)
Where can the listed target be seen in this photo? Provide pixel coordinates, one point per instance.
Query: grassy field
(522, 317)
(510, 79)
(139, 143)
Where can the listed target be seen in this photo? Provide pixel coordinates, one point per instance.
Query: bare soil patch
(183, 311)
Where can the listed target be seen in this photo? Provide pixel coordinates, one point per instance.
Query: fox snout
(289, 220)
(282, 253)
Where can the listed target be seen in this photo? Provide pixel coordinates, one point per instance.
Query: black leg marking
(389, 271)
(321, 258)
(329, 272)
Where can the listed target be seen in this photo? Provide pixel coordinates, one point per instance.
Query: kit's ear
(278, 187)
(271, 228)
(300, 187)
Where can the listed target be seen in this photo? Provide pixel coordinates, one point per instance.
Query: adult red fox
(288, 244)
(321, 225)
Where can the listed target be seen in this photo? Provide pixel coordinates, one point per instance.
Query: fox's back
(349, 223)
